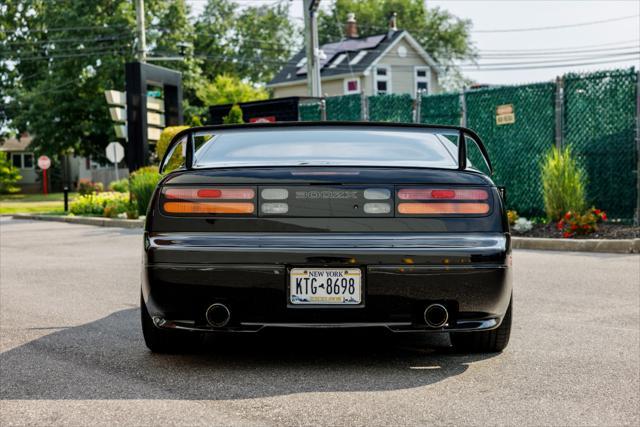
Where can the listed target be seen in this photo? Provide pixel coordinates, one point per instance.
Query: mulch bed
(605, 231)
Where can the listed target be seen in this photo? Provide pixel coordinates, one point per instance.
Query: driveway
(71, 351)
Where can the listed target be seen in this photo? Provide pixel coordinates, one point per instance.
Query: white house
(389, 63)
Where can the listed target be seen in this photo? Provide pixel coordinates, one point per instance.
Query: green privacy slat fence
(442, 109)
(599, 124)
(516, 149)
(309, 111)
(346, 107)
(391, 108)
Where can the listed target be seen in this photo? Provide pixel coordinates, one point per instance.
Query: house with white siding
(389, 63)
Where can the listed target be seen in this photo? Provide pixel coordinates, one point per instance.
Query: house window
(358, 57)
(351, 86)
(421, 78)
(16, 160)
(22, 160)
(27, 160)
(382, 80)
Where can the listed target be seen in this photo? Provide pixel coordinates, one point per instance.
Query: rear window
(322, 147)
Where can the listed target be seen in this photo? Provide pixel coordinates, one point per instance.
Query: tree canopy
(58, 57)
(445, 36)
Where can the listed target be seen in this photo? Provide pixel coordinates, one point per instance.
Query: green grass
(52, 203)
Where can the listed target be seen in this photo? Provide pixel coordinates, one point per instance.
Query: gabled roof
(349, 56)
(16, 144)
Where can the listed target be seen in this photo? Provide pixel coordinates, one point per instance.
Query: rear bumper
(468, 273)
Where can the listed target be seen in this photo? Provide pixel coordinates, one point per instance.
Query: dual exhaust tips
(218, 315)
(436, 315)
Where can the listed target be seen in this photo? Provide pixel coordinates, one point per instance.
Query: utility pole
(142, 40)
(313, 50)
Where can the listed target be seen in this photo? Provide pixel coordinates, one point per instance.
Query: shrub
(574, 223)
(512, 217)
(165, 138)
(107, 204)
(9, 175)
(85, 187)
(142, 184)
(563, 183)
(234, 116)
(522, 225)
(120, 186)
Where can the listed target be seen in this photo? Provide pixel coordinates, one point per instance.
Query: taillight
(441, 194)
(443, 201)
(209, 201)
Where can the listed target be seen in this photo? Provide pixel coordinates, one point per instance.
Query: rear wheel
(492, 341)
(166, 340)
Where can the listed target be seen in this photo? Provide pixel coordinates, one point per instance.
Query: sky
(603, 42)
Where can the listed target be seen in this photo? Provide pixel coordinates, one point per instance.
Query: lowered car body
(326, 225)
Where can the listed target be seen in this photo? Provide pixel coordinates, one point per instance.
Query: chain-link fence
(516, 149)
(599, 124)
(594, 113)
(442, 109)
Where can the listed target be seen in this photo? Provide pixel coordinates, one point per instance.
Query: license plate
(337, 286)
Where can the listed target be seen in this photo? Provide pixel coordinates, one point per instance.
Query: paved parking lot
(71, 351)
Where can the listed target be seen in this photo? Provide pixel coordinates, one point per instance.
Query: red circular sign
(44, 162)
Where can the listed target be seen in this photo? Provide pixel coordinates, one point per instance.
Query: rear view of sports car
(326, 225)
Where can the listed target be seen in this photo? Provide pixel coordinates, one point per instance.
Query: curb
(85, 220)
(622, 246)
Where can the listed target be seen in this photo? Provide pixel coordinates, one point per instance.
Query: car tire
(163, 340)
(492, 341)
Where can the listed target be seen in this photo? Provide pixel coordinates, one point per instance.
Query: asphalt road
(71, 351)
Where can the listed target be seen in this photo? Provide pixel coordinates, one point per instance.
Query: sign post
(44, 163)
(115, 154)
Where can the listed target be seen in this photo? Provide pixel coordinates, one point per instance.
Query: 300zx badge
(327, 194)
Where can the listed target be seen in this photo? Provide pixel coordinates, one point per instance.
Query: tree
(234, 116)
(440, 33)
(63, 55)
(9, 175)
(225, 89)
(251, 42)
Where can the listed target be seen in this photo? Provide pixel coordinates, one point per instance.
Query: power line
(556, 27)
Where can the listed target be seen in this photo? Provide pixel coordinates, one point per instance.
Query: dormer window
(338, 60)
(358, 57)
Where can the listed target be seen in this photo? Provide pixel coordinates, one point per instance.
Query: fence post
(636, 217)
(463, 109)
(559, 112)
(364, 107)
(323, 110)
(417, 106)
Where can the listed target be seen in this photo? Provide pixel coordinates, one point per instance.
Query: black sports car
(326, 225)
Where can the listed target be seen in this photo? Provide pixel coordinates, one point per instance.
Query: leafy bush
(574, 223)
(165, 138)
(85, 187)
(512, 217)
(120, 186)
(9, 175)
(108, 204)
(522, 225)
(142, 184)
(234, 116)
(563, 183)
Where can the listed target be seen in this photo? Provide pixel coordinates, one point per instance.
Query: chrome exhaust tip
(436, 315)
(218, 315)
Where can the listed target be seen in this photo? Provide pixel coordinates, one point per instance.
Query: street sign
(44, 162)
(114, 152)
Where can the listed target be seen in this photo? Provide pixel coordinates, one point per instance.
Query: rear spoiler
(463, 134)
